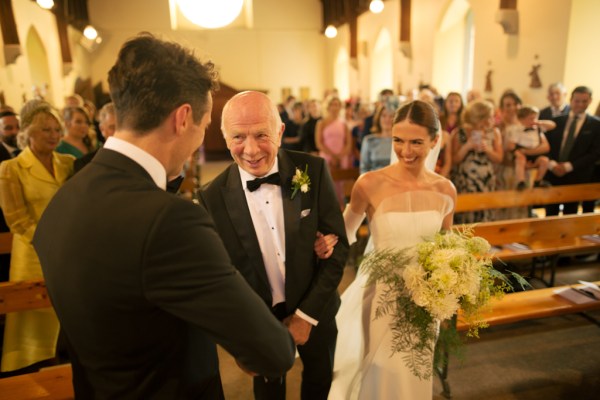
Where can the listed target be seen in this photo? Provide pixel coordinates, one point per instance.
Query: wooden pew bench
(550, 236)
(530, 197)
(512, 198)
(49, 383)
(54, 383)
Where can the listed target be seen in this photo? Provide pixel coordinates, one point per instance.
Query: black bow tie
(254, 184)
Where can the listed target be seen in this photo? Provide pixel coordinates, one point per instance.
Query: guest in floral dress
(477, 148)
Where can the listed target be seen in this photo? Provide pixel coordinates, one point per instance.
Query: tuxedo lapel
(239, 213)
(291, 207)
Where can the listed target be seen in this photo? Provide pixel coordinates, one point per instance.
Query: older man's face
(9, 127)
(252, 134)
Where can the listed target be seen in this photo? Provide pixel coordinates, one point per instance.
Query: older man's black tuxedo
(310, 284)
(129, 269)
(583, 155)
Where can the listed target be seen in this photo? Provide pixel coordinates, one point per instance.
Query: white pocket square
(304, 213)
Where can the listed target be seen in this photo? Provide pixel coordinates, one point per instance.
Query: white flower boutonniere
(300, 181)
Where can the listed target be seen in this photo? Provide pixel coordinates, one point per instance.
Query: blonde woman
(76, 140)
(27, 183)
(477, 149)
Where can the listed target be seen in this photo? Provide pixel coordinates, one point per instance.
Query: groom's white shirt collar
(144, 159)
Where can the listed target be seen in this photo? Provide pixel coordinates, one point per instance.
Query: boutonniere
(300, 181)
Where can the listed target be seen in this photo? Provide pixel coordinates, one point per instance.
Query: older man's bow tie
(254, 184)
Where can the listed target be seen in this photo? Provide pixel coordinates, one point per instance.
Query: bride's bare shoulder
(371, 178)
(443, 185)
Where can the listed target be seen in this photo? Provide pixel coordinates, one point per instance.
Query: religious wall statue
(488, 81)
(536, 82)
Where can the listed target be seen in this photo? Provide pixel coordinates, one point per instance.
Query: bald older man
(269, 225)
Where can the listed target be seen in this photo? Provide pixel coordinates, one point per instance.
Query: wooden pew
(22, 296)
(346, 175)
(6, 242)
(550, 236)
(530, 304)
(54, 383)
(49, 383)
(529, 197)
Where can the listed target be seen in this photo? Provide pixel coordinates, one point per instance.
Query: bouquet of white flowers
(427, 284)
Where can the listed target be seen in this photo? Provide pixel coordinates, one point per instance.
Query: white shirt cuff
(568, 166)
(305, 317)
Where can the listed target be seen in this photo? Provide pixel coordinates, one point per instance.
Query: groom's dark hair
(152, 77)
(419, 113)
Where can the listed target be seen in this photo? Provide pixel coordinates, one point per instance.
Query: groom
(269, 232)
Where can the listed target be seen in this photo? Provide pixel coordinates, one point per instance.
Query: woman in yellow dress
(27, 183)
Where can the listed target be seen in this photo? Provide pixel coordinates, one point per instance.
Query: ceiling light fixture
(90, 32)
(376, 6)
(331, 31)
(211, 14)
(46, 4)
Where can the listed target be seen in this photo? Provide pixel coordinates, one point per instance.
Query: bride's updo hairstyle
(419, 113)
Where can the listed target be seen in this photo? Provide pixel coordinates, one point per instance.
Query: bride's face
(412, 143)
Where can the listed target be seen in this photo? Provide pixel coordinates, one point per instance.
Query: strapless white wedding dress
(364, 366)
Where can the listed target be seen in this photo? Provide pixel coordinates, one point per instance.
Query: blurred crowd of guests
(486, 146)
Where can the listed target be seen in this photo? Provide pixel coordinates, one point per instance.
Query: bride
(403, 202)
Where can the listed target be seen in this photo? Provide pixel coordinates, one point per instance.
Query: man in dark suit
(574, 147)
(269, 223)
(9, 128)
(130, 267)
(556, 96)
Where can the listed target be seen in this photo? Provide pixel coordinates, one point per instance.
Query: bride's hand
(324, 245)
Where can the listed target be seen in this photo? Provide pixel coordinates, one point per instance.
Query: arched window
(382, 64)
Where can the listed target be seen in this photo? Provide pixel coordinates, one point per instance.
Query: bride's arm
(354, 214)
(450, 190)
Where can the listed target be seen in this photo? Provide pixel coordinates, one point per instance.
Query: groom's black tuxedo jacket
(584, 154)
(128, 266)
(310, 284)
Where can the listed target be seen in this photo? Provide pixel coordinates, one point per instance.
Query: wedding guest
(269, 226)
(449, 115)
(404, 202)
(530, 147)
(107, 124)
(477, 148)
(291, 134)
(76, 140)
(9, 128)
(506, 176)
(139, 278)
(557, 95)
(309, 126)
(574, 148)
(376, 148)
(27, 183)
(334, 141)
